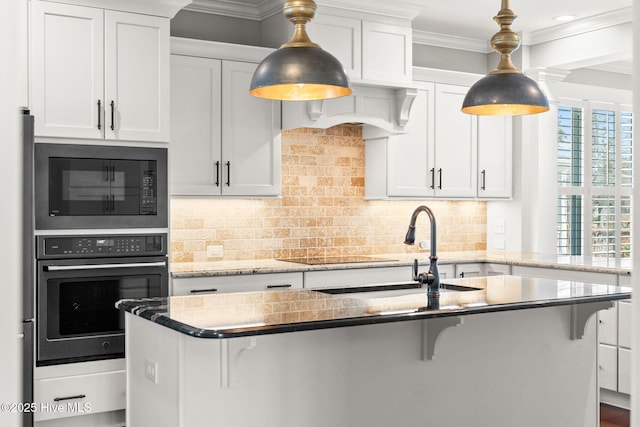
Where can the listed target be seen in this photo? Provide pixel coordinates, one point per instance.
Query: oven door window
(83, 307)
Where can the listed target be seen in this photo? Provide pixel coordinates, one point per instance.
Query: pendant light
(505, 91)
(300, 69)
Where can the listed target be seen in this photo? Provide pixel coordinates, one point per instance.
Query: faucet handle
(415, 269)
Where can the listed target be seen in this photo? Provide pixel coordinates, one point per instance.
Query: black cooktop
(347, 259)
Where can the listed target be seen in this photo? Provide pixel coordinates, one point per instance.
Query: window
(595, 178)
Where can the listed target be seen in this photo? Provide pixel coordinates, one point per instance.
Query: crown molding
(404, 9)
(580, 26)
(236, 9)
(451, 42)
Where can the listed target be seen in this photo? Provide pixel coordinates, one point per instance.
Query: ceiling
(474, 18)
(467, 24)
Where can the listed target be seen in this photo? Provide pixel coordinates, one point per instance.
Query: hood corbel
(382, 111)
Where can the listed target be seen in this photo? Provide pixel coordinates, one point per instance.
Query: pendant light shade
(300, 69)
(505, 91)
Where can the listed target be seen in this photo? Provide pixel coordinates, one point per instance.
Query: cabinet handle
(202, 291)
(484, 179)
(113, 203)
(462, 274)
(99, 114)
(228, 183)
(106, 173)
(105, 203)
(440, 179)
(433, 178)
(78, 396)
(217, 174)
(113, 109)
(113, 173)
(287, 285)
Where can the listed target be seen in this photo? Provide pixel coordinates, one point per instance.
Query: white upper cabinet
(495, 157)
(386, 52)
(67, 70)
(137, 77)
(370, 51)
(250, 135)
(444, 152)
(455, 144)
(99, 74)
(342, 37)
(223, 140)
(196, 117)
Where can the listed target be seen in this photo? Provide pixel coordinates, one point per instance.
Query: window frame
(588, 190)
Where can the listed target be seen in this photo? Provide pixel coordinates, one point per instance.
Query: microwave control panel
(91, 246)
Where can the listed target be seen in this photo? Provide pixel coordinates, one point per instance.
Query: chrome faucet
(432, 277)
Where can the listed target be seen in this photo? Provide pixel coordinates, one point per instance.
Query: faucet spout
(432, 277)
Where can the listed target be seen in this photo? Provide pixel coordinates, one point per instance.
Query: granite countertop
(259, 313)
(577, 263)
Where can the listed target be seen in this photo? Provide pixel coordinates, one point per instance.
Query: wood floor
(610, 416)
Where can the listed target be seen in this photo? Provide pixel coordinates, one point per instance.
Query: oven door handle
(103, 266)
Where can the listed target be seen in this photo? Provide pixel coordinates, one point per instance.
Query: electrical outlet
(215, 251)
(499, 226)
(151, 371)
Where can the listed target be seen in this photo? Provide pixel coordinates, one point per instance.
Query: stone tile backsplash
(322, 211)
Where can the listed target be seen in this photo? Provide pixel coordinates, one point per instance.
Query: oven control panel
(110, 246)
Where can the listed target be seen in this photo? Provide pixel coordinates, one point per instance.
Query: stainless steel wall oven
(79, 280)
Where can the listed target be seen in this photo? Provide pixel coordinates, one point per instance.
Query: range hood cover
(382, 111)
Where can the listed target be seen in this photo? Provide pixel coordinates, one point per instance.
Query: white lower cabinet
(477, 269)
(236, 283)
(80, 394)
(614, 355)
(624, 370)
(607, 366)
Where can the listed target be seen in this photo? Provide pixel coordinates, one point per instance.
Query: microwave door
(78, 187)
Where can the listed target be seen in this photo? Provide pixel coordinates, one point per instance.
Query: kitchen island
(502, 350)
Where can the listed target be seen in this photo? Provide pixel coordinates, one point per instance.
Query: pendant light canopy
(505, 91)
(300, 69)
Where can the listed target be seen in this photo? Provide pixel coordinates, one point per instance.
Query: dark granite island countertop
(489, 356)
(279, 311)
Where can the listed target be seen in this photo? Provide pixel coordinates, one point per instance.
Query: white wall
(206, 26)
(635, 316)
(10, 214)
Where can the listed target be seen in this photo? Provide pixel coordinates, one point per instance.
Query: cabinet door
(469, 270)
(341, 37)
(608, 367)
(67, 70)
(494, 156)
(455, 144)
(137, 77)
(235, 283)
(250, 136)
(608, 326)
(196, 96)
(410, 156)
(624, 324)
(624, 370)
(386, 52)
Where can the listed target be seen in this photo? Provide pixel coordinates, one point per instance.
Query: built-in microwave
(99, 187)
